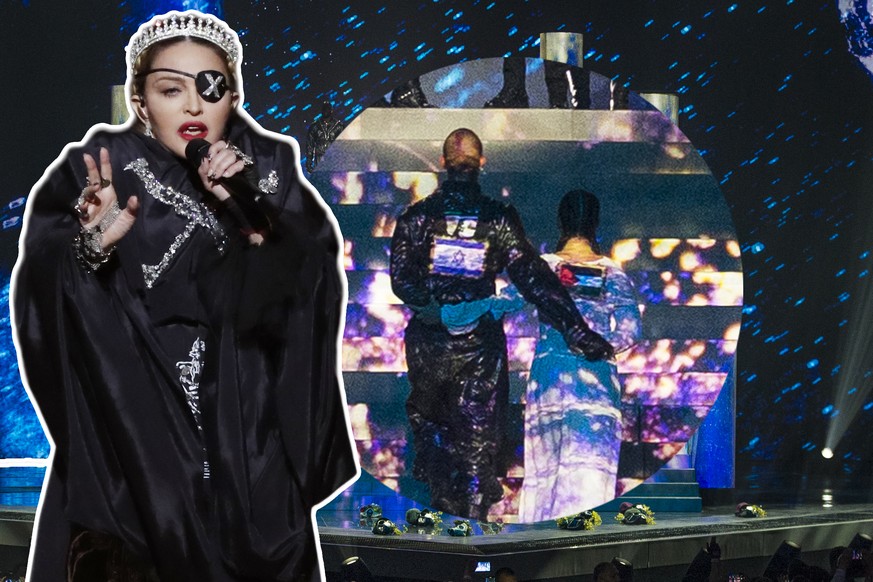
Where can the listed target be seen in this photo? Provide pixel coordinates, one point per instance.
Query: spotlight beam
(854, 362)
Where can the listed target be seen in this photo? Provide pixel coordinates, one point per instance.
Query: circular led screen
(542, 432)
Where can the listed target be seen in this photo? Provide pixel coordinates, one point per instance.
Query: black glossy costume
(319, 136)
(460, 383)
(106, 352)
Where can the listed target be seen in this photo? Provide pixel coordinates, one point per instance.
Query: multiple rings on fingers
(86, 196)
(246, 159)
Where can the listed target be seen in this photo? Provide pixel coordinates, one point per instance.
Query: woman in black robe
(178, 332)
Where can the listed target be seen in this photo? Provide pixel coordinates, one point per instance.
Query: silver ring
(81, 200)
(246, 159)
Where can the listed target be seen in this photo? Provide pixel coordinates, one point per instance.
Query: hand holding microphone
(231, 176)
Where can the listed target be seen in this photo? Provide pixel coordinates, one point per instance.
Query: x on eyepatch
(210, 84)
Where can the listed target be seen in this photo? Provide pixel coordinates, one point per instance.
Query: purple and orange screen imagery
(663, 220)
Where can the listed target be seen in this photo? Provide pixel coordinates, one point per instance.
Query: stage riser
(670, 475)
(740, 550)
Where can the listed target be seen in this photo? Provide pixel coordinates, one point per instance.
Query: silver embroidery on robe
(189, 378)
(270, 184)
(196, 213)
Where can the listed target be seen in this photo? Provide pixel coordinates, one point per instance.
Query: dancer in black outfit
(447, 251)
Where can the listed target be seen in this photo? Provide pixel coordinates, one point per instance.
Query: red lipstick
(192, 130)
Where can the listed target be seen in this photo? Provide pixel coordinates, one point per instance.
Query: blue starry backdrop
(774, 94)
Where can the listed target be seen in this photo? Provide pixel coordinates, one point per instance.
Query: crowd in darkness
(787, 564)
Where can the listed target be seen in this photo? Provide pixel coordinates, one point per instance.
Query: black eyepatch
(210, 84)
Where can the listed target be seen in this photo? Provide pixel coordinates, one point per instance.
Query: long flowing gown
(189, 384)
(573, 405)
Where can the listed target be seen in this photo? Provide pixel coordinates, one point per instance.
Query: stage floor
(543, 552)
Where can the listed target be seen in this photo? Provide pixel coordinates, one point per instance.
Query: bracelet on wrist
(88, 244)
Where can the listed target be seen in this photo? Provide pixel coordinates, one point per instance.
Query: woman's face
(171, 103)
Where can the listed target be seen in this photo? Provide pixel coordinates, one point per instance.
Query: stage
(541, 551)
(659, 552)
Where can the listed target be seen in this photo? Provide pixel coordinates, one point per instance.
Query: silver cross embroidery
(196, 213)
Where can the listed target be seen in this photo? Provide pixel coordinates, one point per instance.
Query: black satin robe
(102, 353)
(460, 383)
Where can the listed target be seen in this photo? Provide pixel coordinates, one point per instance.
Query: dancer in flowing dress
(573, 410)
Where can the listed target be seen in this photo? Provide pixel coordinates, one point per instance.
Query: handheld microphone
(243, 189)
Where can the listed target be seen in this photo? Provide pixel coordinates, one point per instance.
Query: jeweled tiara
(189, 23)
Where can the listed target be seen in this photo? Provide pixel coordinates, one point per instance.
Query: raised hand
(222, 161)
(96, 205)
